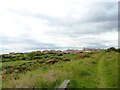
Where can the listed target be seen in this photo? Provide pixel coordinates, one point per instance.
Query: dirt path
(102, 82)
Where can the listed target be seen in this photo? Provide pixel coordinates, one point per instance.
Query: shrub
(113, 49)
(36, 57)
(40, 61)
(93, 62)
(82, 55)
(118, 50)
(51, 61)
(66, 59)
(60, 54)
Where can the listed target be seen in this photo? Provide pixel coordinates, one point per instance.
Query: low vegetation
(49, 70)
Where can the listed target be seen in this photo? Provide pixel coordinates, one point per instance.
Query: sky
(27, 25)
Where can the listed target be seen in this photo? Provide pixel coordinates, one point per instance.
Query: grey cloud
(108, 20)
(31, 43)
(97, 45)
(100, 20)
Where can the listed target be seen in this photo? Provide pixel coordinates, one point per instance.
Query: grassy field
(100, 70)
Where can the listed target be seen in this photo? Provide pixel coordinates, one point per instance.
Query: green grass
(108, 70)
(97, 71)
(15, 62)
(110, 66)
(102, 81)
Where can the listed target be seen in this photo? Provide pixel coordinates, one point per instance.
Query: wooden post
(64, 85)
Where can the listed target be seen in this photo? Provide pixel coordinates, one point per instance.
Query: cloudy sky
(57, 24)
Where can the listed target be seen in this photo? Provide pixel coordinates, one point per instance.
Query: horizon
(57, 24)
(53, 49)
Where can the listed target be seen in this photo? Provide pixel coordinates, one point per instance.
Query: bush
(83, 55)
(66, 59)
(113, 49)
(40, 61)
(60, 54)
(93, 62)
(118, 50)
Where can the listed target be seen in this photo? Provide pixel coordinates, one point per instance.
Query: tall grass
(82, 73)
(111, 69)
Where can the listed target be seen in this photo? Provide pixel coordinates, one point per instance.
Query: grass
(15, 62)
(108, 70)
(97, 71)
(102, 81)
(111, 69)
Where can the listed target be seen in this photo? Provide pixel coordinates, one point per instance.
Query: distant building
(45, 51)
(11, 53)
(90, 49)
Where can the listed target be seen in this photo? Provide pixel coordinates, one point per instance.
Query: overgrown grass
(82, 73)
(15, 62)
(111, 69)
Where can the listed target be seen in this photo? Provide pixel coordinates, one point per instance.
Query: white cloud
(60, 23)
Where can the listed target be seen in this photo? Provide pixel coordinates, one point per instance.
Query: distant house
(91, 50)
(45, 51)
(15, 53)
(71, 51)
(12, 53)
